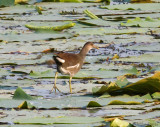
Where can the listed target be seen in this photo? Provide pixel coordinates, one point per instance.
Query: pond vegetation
(119, 83)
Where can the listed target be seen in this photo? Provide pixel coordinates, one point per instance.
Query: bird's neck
(84, 51)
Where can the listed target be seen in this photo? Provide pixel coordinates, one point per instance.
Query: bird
(70, 64)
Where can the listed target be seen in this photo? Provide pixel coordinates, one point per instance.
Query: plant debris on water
(119, 83)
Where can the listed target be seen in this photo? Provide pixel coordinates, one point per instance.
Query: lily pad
(156, 95)
(94, 22)
(93, 104)
(60, 120)
(117, 102)
(19, 94)
(146, 85)
(7, 2)
(99, 91)
(119, 123)
(50, 28)
(138, 22)
(150, 6)
(122, 81)
(107, 31)
(26, 105)
(133, 71)
(148, 58)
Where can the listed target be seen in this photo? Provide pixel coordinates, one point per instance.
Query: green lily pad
(19, 94)
(105, 95)
(99, 91)
(60, 120)
(153, 123)
(138, 22)
(33, 36)
(7, 2)
(148, 58)
(94, 22)
(107, 31)
(133, 71)
(18, 9)
(43, 74)
(147, 96)
(146, 85)
(145, 47)
(156, 95)
(122, 81)
(93, 104)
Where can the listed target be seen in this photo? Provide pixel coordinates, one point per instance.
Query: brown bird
(70, 64)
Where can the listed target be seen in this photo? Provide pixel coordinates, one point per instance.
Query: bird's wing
(69, 59)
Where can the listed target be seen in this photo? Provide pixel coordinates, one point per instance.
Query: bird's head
(90, 45)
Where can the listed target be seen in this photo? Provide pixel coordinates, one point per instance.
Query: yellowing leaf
(23, 105)
(119, 123)
(26, 105)
(115, 56)
(20, 1)
(55, 28)
(39, 10)
(117, 102)
(111, 118)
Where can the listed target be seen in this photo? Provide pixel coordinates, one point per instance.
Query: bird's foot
(56, 88)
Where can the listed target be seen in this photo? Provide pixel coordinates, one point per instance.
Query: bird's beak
(96, 47)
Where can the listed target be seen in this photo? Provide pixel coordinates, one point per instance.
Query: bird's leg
(55, 87)
(70, 84)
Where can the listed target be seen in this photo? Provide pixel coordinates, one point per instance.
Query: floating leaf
(60, 120)
(55, 28)
(122, 81)
(6, 2)
(39, 10)
(115, 56)
(119, 123)
(146, 85)
(107, 31)
(19, 94)
(105, 95)
(43, 74)
(132, 71)
(90, 14)
(26, 105)
(147, 96)
(153, 123)
(21, 1)
(117, 102)
(93, 104)
(94, 22)
(72, 1)
(138, 22)
(150, 6)
(148, 58)
(105, 88)
(156, 95)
